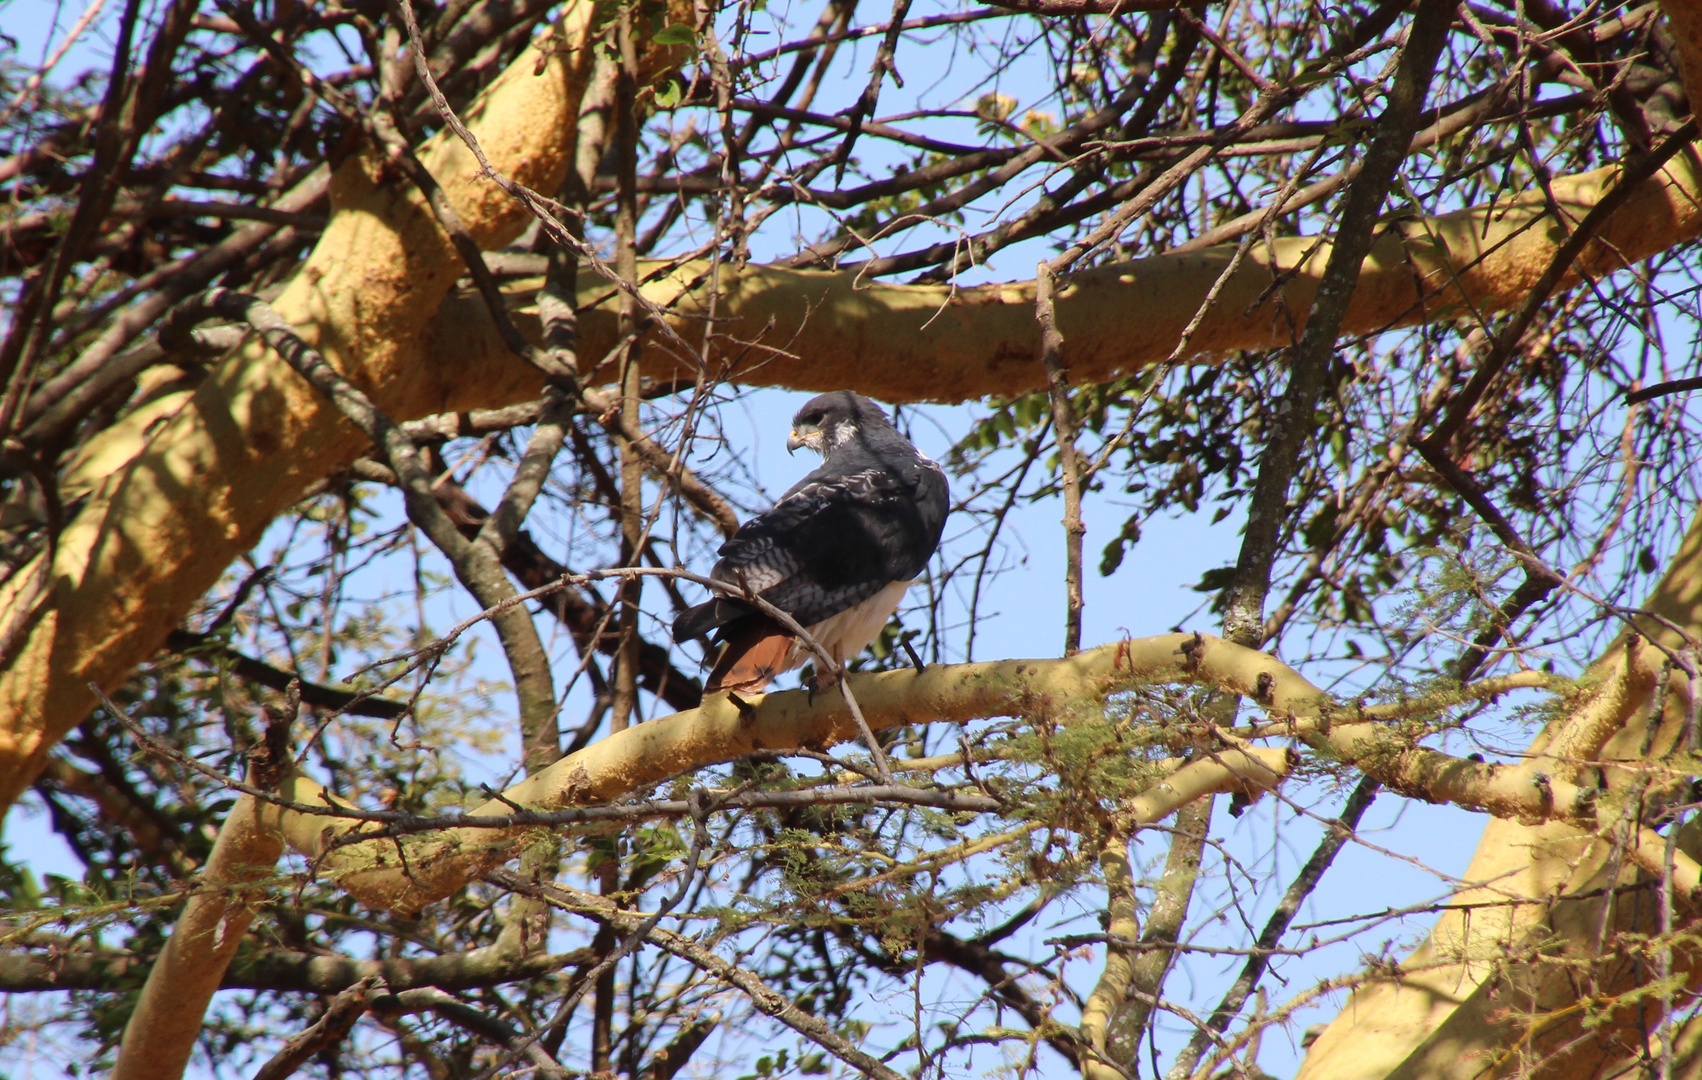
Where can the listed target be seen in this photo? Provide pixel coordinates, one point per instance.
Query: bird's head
(829, 421)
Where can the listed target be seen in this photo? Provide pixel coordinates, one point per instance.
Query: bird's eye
(813, 420)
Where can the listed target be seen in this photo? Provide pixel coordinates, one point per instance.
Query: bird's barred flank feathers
(835, 552)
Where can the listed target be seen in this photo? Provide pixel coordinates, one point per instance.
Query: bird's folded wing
(830, 543)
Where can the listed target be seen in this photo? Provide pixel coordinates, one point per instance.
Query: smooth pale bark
(162, 1031)
(827, 331)
(1121, 924)
(424, 868)
(1491, 1035)
(1446, 1021)
(1687, 1050)
(427, 868)
(174, 496)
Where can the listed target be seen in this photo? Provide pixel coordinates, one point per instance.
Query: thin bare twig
(1064, 423)
(761, 996)
(1335, 838)
(341, 1013)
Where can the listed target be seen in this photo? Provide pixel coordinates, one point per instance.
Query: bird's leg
(811, 685)
(904, 639)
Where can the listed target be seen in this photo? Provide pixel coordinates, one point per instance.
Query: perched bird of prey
(836, 552)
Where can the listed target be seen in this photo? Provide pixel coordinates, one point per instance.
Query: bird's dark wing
(829, 545)
(700, 619)
(837, 538)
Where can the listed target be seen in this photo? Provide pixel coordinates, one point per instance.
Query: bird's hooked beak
(804, 435)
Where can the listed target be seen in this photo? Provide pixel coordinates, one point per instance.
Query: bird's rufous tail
(756, 653)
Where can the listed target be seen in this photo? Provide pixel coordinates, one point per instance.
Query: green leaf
(1215, 580)
(676, 34)
(669, 95)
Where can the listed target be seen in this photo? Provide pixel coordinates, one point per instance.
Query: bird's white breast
(848, 633)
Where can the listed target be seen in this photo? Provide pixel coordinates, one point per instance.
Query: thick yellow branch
(167, 1020)
(176, 495)
(639, 757)
(419, 870)
(1108, 993)
(1441, 1014)
(935, 343)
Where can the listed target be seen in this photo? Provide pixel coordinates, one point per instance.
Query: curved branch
(822, 330)
(162, 1031)
(409, 873)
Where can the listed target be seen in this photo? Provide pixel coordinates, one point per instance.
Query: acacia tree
(324, 315)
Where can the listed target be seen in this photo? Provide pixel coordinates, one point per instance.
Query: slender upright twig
(1064, 424)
